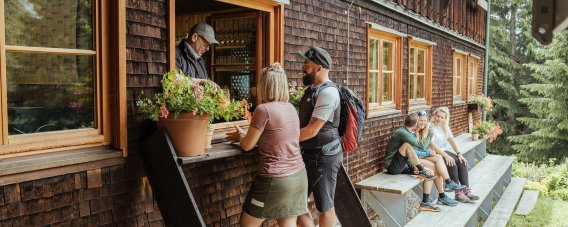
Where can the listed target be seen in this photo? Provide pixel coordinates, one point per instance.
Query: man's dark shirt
(191, 66)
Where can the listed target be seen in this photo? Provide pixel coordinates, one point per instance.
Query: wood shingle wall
(120, 195)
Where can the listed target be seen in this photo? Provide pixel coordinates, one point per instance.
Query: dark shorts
(398, 165)
(322, 176)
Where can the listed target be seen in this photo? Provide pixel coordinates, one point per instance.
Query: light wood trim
(50, 50)
(279, 11)
(262, 5)
(122, 91)
(101, 69)
(172, 34)
(46, 173)
(367, 84)
(51, 144)
(56, 135)
(462, 57)
(3, 80)
(412, 42)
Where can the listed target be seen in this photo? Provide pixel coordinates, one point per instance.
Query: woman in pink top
(279, 190)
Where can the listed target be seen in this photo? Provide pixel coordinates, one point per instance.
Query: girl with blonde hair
(455, 162)
(433, 158)
(280, 188)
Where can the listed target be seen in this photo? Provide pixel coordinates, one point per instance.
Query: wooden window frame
(274, 41)
(472, 76)
(110, 89)
(374, 34)
(427, 100)
(461, 97)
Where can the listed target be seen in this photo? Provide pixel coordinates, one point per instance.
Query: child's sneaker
(426, 206)
(462, 198)
(446, 200)
(425, 174)
(454, 187)
(470, 194)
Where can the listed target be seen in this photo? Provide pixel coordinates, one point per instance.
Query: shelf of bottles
(234, 58)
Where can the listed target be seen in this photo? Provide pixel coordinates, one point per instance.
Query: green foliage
(546, 99)
(182, 94)
(547, 212)
(296, 92)
(548, 178)
(507, 54)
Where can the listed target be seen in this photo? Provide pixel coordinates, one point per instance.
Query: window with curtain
(420, 73)
(472, 71)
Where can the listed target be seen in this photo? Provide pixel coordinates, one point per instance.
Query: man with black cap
(189, 51)
(319, 137)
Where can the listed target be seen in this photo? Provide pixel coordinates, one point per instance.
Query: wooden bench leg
(390, 207)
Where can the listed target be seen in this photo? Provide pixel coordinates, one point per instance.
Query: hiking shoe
(446, 200)
(428, 207)
(470, 194)
(455, 187)
(425, 174)
(462, 198)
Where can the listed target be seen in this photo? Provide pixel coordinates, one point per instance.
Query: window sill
(218, 151)
(458, 103)
(418, 107)
(32, 167)
(383, 113)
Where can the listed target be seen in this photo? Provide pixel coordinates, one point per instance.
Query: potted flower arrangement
(296, 92)
(487, 129)
(184, 109)
(484, 103)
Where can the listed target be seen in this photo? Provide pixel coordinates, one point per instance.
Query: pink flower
(224, 104)
(194, 112)
(164, 111)
(294, 83)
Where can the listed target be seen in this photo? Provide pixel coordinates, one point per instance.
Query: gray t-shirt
(441, 138)
(326, 103)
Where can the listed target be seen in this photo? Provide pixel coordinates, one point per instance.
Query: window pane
(420, 86)
(373, 97)
(56, 23)
(373, 54)
(57, 93)
(411, 60)
(388, 56)
(387, 87)
(421, 61)
(411, 88)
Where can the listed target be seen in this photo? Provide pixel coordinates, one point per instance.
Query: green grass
(547, 212)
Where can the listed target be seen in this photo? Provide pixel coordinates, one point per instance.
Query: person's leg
(287, 222)
(327, 218)
(305, 220)
(440, 168)
(407, 151)
(250, 221)
(453, 170)
(425, 205)
(428, 184)
(462, 173)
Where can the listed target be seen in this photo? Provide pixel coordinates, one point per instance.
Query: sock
(447, 181)
(441, 195)
(420, 168)
(425, 198)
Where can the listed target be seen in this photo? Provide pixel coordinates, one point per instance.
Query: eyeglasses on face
(422, 113)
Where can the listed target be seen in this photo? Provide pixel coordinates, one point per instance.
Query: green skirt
(278, 197)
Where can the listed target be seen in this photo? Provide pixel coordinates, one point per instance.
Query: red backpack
(352, 116)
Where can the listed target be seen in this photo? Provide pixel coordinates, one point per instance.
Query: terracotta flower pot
(187, 133)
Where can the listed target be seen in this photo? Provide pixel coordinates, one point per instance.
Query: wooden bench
(387, 194)
(488, 179)
(501, 213)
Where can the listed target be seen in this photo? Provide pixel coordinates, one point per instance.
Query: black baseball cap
(318, 56)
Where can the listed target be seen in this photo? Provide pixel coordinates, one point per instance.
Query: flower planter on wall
(187, 132)
(472, 107)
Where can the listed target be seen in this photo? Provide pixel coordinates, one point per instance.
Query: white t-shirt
(441, 138)
(326, 103)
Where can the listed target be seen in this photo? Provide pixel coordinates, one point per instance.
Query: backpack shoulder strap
(324, 86)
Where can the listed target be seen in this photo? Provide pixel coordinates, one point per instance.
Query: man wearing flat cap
(319, 137)
(189, 52)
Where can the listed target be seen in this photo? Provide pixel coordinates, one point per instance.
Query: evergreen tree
(507, 53)
(547, 100)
